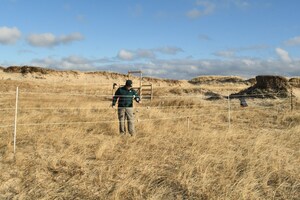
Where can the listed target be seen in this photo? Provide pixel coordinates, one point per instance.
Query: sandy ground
(296, 92)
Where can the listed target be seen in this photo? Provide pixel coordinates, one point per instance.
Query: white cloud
(66, 63)
(203, 8)
(144, 53)
(42, 40)
(50, 40)
(9, 35)
(283, 55)
(125, 55)
(130, 55)
(248, 62)
(240, 67)
(70, 38)
(295, 41)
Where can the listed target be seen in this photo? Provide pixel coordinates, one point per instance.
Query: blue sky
(178, 39)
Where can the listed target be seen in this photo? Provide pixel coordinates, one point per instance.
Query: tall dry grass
(256, 157)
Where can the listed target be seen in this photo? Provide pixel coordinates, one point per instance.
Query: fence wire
(106, 121)
(233, 107)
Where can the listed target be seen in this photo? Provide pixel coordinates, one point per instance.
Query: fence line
(115, 121)
(110, 108)
(78, 84)
(8, 121)
(111, 121)
(228, 97)
(7, 99)
(157, 96)
(108, 121)
(4, 109)
(66, 94)
(7, 93)
(139, 107)
(136, 108)
(6, 126)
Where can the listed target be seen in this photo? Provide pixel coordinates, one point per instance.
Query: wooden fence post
(16, 118)
(229, 112)
(292, 106)
(188, 123)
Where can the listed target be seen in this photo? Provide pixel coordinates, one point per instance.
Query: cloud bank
(50, 40)
(9, 35)
(138, 54)
(185, 68)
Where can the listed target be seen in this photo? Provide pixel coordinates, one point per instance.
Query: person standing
(124, 96)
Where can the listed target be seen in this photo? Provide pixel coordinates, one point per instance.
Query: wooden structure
(145, 91)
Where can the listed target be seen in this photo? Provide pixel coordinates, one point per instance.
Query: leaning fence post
(229, 112)
(16, 117)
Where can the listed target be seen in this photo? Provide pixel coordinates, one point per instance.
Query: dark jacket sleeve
(116, 97)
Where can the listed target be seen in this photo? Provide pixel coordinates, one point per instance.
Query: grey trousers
(123, 115)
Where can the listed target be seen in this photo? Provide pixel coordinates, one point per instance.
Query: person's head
(128, 84)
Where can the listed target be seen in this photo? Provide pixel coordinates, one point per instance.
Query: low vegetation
(185, 147)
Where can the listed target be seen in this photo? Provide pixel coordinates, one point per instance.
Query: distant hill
(34, 73)
(38, 73)
(218, 79)
(26, 69)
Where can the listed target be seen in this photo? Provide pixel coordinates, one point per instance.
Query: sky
(175, 39)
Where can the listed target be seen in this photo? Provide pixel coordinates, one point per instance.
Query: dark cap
(128, 83)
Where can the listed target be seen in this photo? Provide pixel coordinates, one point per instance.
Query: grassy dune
(256, 156)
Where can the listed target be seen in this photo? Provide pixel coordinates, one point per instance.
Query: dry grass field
(185, 147)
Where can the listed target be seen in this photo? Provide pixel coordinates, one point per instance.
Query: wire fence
(154, 96)
(226, 105)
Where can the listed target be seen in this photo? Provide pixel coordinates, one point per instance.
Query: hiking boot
(131, 134)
